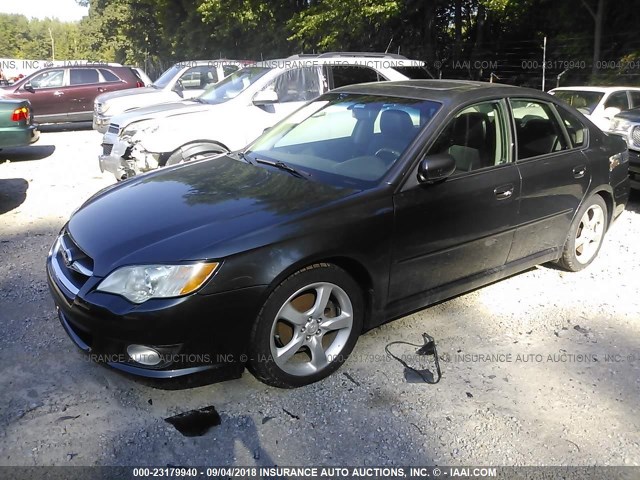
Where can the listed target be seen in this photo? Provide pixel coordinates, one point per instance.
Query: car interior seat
(470, 146)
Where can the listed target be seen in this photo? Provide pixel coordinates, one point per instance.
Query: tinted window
(198, 78)
(48, 79)
(537, 130)
(229, 69)
(476, 138)
(635, 98)
(351, 74)
(83, 76)
(297, 85)
(575, 128)
(109, 76)
(584, 101)
(617, 100)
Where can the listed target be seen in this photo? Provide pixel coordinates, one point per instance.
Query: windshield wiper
(243, 156)
(283, 166)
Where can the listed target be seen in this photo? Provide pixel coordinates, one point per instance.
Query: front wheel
(307, 327)
(585, 235)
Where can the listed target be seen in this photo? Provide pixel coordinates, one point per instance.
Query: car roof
(591, 88)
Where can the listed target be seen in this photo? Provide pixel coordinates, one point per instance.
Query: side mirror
(435, 168)
(178, 87)
(265, 97)
(28, 87)
(610, 112)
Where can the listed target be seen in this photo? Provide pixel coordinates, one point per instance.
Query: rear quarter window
(109, 76)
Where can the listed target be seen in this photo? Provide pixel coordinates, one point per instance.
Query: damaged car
(370, 202)
(238, 109)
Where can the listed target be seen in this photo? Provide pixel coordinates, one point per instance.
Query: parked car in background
(599, 104)
(627, 125)
(66, 94)
(143, 76)
(16, 124)
(368, 203)
(233, 112)
(183, 80)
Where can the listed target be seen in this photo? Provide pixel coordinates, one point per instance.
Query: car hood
(209, 209)
(157, 111)
(129, 92)
(632, 115)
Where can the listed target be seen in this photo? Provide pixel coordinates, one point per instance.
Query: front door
(451, 231)
(45, 93)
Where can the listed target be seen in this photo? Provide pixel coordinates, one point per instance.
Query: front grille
(113, 128)
(635, 136)
(71, 266)
(107, 148)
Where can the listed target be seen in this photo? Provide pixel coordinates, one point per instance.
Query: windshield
(350, 140)
(167, 76)
(233, 85)
(584, 101)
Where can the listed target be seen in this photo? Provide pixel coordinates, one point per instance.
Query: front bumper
(195, 334)
(111, 160)
(101, 122)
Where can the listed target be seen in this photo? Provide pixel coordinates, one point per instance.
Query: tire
(307, 327)
(194, 151)
(585, 235)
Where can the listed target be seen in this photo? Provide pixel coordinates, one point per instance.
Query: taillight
(20, 114)
(139, 84)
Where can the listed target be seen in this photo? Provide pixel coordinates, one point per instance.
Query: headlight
(101, 107)
(620, 126)
(144, 126)
(141, 282)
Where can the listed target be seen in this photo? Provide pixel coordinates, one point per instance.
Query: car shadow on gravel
(22, 154)
(13, 192)
(65, 127)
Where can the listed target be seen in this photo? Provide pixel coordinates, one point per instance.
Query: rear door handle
(58, 93)
(579, 171)
(503, 192)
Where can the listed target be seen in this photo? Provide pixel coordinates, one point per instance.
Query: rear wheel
(307, 327)
(585, 235)
(195, 151)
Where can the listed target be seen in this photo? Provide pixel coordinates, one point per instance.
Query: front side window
(165, 79)
(476, 138)
(537, 130)
(353, 74)
(635, 98)
(334, 139)
(233, 85)
(198, 78)
(297, 85)
(48, 79)
(83, 76)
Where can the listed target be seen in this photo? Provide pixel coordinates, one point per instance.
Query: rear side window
(617, 100)
(297, 85)
(109, 76)
(575, 128)
(83, 76)
(537, 130)
(352, 74)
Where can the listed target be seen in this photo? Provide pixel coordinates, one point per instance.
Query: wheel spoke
(290, 349)
(318, 355)
(337, 323)
(323, 293)
(293, 316)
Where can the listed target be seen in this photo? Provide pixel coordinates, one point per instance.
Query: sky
(65, 10)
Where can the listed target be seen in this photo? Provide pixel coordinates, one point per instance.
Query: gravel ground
(539, 369)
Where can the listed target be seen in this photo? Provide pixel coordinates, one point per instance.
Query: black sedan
(369, 202)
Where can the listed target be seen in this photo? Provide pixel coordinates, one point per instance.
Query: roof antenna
(389, 46)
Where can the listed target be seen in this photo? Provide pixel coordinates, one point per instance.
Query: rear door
(84, 87)
(450, 231)
(555, 175)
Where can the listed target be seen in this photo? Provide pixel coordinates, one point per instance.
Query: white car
(599, 104)
(238, 109)
(183, 80)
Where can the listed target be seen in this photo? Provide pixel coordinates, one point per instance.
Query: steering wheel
(387, 154)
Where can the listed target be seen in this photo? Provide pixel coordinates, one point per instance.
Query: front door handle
(503, 192)
(100, 89)
(579, 171)
(58, 93)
